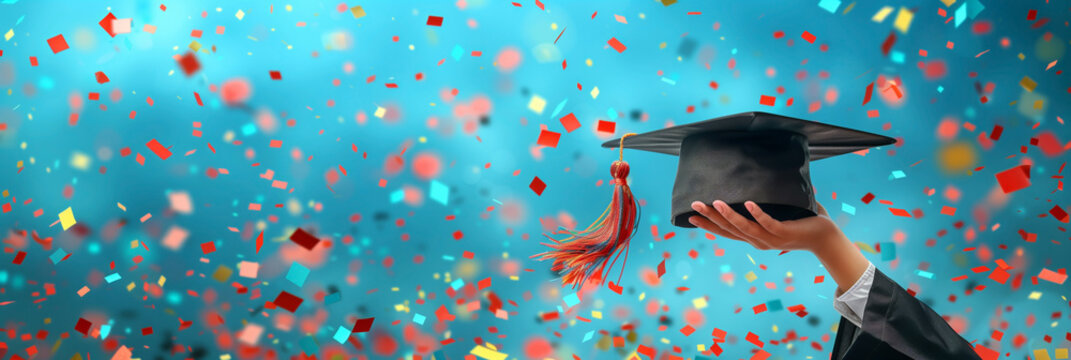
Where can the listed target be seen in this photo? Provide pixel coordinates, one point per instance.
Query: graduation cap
(753, 156)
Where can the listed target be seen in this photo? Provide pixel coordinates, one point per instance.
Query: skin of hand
(816, 234)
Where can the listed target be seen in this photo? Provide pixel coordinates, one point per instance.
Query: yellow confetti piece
(121, 206)
(486, 353)
(882, 14)
(699, 303)
(903, 19)
(240, 14)
(80, 161)
(948, 2)
(751, 276)
(380, 111)
(67, 218)
(1028, 83)
(358, 12)
(537, 104)
(1061, 353)
(9, 34)
(1041, 354)
(1034, 295)
(595, 92)
(195, 46)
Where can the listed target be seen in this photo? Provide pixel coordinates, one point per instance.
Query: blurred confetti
(341, 180)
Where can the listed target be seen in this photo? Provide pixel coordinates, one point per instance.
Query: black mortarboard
(749, 156)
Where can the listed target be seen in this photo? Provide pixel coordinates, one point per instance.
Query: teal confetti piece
(558, 109)
(439, 192)
(961, 14)
(829, 5)
(612, 114)
(448, 258)
(672, 79)
(974, 7)
(888, 251)
(332, 298)
(940, 89)
(897, 174)
(774, 305)
(589, 335)
(571, 300)
(309, 345)
(419, 319)
(297, 274)
(847, 208)
(397, 196)
(456, 53)
(249, 129)
(925, 274)
(342, 335)
(57, 256)
(897, 57)
(457, 284)
(113, 277)
(105, 330)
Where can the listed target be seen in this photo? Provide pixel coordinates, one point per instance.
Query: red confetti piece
(867, 198)
(997, 130)
(887, 45)
(537, 186)
(1058, 213)
(617, 45)
(435, 21)
(1052, 276)
(767, 100)
(661, 268)
(607, 126)
(1014, 179)
(106, 23)
(101, 78)
(276, 75)
(208, 247)
(83, 326)
(198, 98)
(363, 325)
(570, 122)
(57, 43)
(288, 301)
(548, 138)
(158, 149)
(808, 37)
(303, 239)
(869, 92)
(260, 241)
(900, 212)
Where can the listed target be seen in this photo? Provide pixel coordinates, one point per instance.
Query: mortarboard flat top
(824, 140)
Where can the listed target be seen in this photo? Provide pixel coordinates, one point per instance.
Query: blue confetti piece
(57, 256)
(571, 299)
(457, 52)
(897, 57)
(397, 196)
(611, 113)
(113, 277)
(342, 335)
(332, 298)
(419, 319)
(774, 305)
(961, 14)
(888, 251)
(558, 109)
(297, 274)
(589, 335)
(439, 192)
(925, 274)
(829, 5)
(457, 284)
(974, 7)
(847, 208)
(309, 345)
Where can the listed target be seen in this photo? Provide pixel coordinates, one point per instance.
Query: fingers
(718, 220)
(770, 224)
(705, 224)
(822, 209)
(743, 225)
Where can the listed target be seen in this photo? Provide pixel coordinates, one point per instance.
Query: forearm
(843, 261)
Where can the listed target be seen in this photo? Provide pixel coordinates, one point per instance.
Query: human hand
(810, 233)
(816, 234)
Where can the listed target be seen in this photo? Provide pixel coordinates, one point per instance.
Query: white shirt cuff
(852, 303)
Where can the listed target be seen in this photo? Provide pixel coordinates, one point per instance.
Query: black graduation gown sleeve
(896, 325)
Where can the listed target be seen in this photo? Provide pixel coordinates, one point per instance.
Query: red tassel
(587, 254)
